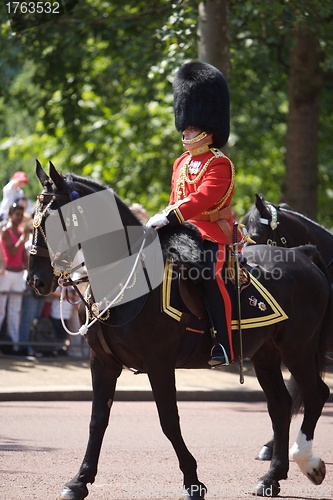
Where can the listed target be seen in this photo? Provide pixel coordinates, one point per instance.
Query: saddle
(192, 296)
(183, 300)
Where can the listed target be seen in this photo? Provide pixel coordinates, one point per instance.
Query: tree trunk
(213, 44)
(304, 88)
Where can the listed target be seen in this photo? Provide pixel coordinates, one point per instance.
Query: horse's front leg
(267, 367)
(104, 378)
(266, 451)
(162, 379)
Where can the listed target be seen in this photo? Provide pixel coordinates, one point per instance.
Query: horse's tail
(325, 338)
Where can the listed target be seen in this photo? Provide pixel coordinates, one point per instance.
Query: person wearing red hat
(11, 192)
(203, 185)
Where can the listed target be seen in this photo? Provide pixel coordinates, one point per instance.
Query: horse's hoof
(70, 494)
(195, 492)
(317, 475)
(268, 490)
(66, 494)
(265, 453)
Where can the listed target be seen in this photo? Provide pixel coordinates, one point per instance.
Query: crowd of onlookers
(30, 325)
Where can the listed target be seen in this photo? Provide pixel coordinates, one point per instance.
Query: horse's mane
(302, 217)
(289, 211)
(74, 181)
(182, 243)
(92, 184)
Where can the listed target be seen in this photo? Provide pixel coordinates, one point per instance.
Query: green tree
(102, 88)
(277, 100)
(92, 92)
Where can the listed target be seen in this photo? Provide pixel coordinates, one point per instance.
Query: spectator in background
(2, 259)
(32, 307)
(55, 317)
(13, 248)
(11, 192)
(24, 202)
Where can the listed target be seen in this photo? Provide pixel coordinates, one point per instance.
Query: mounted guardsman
(136, 335)
(203, 186)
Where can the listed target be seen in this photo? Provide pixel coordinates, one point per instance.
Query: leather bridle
(275, 238)
(42, 210)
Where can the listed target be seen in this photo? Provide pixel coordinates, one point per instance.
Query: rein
(40, 213)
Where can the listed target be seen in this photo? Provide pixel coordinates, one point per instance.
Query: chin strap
(195, 139)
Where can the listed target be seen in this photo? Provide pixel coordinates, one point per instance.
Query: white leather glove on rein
(157, 221)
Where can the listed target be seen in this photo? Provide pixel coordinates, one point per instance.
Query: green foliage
(101, 100)
(92, 92)
(261, 35)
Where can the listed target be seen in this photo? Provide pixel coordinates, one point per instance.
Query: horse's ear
(260, 204)
(42, 176)
(58, 180)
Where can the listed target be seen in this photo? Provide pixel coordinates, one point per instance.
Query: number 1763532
(33, 8)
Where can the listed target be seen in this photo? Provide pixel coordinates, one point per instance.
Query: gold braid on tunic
(184, 179)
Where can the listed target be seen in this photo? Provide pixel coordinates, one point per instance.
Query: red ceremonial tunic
(202, 187)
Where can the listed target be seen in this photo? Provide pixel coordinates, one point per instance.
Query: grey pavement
(68, 378)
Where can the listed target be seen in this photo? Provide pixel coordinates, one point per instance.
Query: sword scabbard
(239, 312)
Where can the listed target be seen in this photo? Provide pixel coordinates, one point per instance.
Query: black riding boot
(220, 353)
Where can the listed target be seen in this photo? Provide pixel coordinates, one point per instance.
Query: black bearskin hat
(201, 100)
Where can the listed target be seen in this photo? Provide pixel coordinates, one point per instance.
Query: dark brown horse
(279, 225)
(138, 334)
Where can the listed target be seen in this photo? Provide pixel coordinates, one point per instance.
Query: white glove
(157, 221)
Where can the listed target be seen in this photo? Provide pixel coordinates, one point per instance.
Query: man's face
(191, 132)
(194, 138)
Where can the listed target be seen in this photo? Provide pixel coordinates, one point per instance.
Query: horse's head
(263, 222)
(42, 275)
(65, 216)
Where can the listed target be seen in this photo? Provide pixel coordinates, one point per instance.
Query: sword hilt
(235, 233)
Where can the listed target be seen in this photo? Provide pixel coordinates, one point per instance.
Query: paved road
(42, 445)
